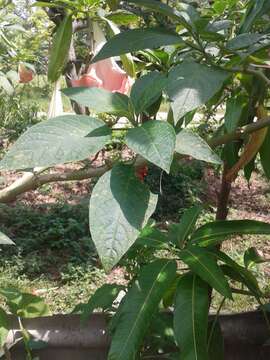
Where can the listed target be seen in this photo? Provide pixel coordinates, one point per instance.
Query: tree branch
(239, 133)
(250, 71)
(32, 181)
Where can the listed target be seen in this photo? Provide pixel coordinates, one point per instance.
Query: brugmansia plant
(199, 57)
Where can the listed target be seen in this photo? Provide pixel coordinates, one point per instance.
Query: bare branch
(239, 133)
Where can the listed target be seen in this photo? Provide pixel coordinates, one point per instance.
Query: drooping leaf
(214, 232)
(250, 149)
(147, 90)
(265, 154)
(191, 85)
(243, 41)
(242, 274)
(101, 299)
(25, 305)
(120, 206)
(249, 168)
(155, 141)
(137, 39)
(234, 110)
(178, 233)
(191, 317)
(255, 9)
(152, 238)
(190, 143)
(236, 107)
(202, 263)
(262, 43)
(4, 240)
(140, 305)
(99, 100)
(60, 48)
(252, 257)
(55, 141)
(4, 327)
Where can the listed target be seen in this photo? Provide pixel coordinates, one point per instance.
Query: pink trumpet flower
(104, 74)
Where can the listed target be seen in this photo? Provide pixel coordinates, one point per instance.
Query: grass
(54, 255)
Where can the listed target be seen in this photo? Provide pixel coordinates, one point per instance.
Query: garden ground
(55, 258)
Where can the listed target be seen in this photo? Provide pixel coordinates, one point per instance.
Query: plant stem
(249, 70)
(223, 197)
(239, 133)
(26, 339)
(215, 322)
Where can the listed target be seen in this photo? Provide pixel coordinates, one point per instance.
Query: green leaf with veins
(155, 141)
(114, 223)
(191, 85)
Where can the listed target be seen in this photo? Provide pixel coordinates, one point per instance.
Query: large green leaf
(256, 9)
(238, 273)
(137, 39)
(216, 231)
(178, 233)
(187, 14)
(204, 264)
(99, 100)
(60, 48)
(139, 307)
(147, 90)
(265, 154)
(191, 85)
(4, 327)
(101, 299)
(235, 107)
(191, 317)
(120, 206)
(190, 143)
(243, 41)
(155, 141)
(4, 240)
(62, 139)
(23, 304)
(247, 44)
(152, 238)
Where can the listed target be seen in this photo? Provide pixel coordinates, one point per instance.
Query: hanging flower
(106, 73)
(25, 75)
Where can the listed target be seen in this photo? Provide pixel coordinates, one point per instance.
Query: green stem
(214, 323)
(26, 338)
